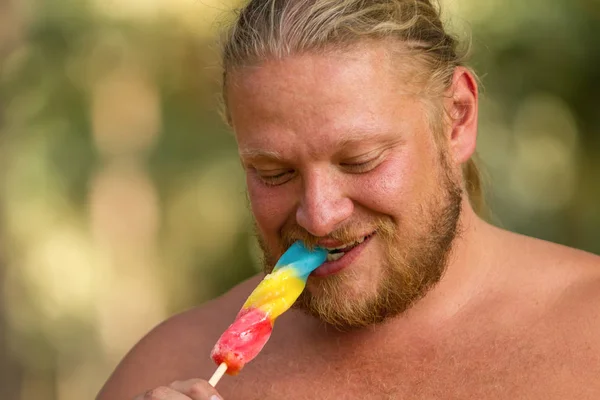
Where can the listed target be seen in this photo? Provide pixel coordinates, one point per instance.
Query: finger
(162, 393)
(196, 389)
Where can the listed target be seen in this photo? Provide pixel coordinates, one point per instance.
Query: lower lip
(332, 267)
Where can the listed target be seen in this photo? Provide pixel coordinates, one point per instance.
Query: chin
(356, 285)
(342, 286)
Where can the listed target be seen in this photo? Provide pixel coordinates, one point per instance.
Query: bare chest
(497, 368)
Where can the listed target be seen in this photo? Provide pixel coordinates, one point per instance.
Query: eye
(364, 163)
(275, 178)
(359, 167)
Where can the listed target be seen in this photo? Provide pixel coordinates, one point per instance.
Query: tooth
(359, 241)
(338, 248)
(335, 256)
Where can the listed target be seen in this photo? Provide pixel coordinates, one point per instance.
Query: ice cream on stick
(274, 295)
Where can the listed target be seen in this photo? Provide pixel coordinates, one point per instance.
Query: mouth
(335, 253)
(341, 257)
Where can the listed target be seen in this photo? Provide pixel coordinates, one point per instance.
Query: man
(356, 123)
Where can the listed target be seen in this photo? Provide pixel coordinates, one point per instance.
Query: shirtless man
(357, 121)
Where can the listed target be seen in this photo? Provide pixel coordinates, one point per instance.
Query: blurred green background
(121, 197)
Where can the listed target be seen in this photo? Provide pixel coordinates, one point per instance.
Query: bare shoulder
(560, 259)
(176, 349)
(568, 276)
(580, 297)
(532, 256)
(576, 310)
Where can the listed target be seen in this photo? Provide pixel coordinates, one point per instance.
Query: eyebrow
(257, 154)
(367, 135)
(353, 136)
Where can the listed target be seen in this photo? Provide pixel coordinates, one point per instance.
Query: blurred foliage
(122, 201)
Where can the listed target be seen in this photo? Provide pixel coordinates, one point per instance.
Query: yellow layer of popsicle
(276, 292)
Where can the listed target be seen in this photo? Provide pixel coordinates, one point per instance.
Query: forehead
(324, 97)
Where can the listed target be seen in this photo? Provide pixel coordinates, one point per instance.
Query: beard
(415, 257)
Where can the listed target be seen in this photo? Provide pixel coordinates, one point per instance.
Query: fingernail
(215, 397)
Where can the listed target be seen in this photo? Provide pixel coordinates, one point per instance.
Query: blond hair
(274, 29)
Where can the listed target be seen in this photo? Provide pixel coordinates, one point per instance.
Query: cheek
(271, 206)
(399, 188)
(386, 189)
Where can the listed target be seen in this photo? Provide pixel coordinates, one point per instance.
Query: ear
(462, 106)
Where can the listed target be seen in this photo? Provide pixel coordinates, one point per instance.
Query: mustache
(384, 227)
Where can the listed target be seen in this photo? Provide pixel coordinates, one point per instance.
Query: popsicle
(274, 295)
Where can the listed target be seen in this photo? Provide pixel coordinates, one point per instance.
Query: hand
(193, 389)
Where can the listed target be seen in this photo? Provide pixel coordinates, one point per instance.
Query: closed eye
(364, 163)
(275, 178)
(361, 167)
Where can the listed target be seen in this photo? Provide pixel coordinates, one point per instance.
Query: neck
(467, 274)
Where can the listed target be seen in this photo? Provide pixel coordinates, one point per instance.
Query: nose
(324, 205)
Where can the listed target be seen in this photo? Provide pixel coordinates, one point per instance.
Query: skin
(512, 317)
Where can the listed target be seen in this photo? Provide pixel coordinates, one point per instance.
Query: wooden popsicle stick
(216, 377)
